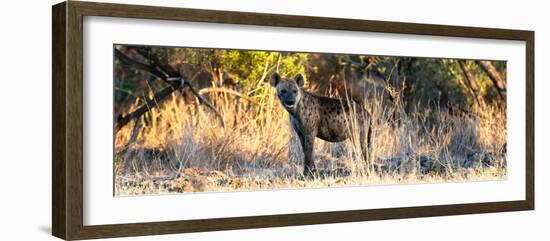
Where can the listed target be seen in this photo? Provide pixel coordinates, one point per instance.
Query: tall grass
(181, 147)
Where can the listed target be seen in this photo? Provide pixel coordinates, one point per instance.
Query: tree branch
(139, 65)
(228, 91)
(205, 102)
(155, 59)
(152, 103)
(470, 82)
(164, 72)
(494, 75)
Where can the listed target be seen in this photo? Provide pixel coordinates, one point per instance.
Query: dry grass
(182, 148)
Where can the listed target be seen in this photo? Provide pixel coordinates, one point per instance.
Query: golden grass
(183, 148)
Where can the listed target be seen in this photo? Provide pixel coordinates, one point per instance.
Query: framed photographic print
(171, 120)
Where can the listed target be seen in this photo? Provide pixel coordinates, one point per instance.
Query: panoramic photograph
(190, 119)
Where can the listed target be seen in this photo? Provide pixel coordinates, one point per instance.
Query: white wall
(25, 119)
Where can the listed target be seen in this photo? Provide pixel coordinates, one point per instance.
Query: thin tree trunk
(470, 83)
(409, 81)
(495, 76)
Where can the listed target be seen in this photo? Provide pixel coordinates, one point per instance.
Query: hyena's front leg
(365, 132)
(308, 142)
(363, 144)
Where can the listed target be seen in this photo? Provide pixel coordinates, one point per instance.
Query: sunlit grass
(181, 147)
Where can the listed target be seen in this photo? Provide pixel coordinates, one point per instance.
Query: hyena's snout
(288, 99)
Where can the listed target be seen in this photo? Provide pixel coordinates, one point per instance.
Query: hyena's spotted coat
(313, 115)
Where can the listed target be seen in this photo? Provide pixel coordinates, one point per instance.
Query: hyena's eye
(283, 91)
(294, 91)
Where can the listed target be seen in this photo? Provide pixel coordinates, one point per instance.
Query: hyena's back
(334, 116)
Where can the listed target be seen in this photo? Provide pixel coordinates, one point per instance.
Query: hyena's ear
(299, 80)
(275, 78)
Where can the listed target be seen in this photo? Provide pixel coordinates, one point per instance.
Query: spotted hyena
(313, 115)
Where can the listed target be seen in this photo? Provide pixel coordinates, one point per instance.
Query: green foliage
(248, 67)
(424, 81)
(436, 80)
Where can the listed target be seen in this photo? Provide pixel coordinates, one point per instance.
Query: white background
(25, 122)
(101, 208)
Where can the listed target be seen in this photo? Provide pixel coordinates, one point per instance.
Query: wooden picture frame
(67, 124)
